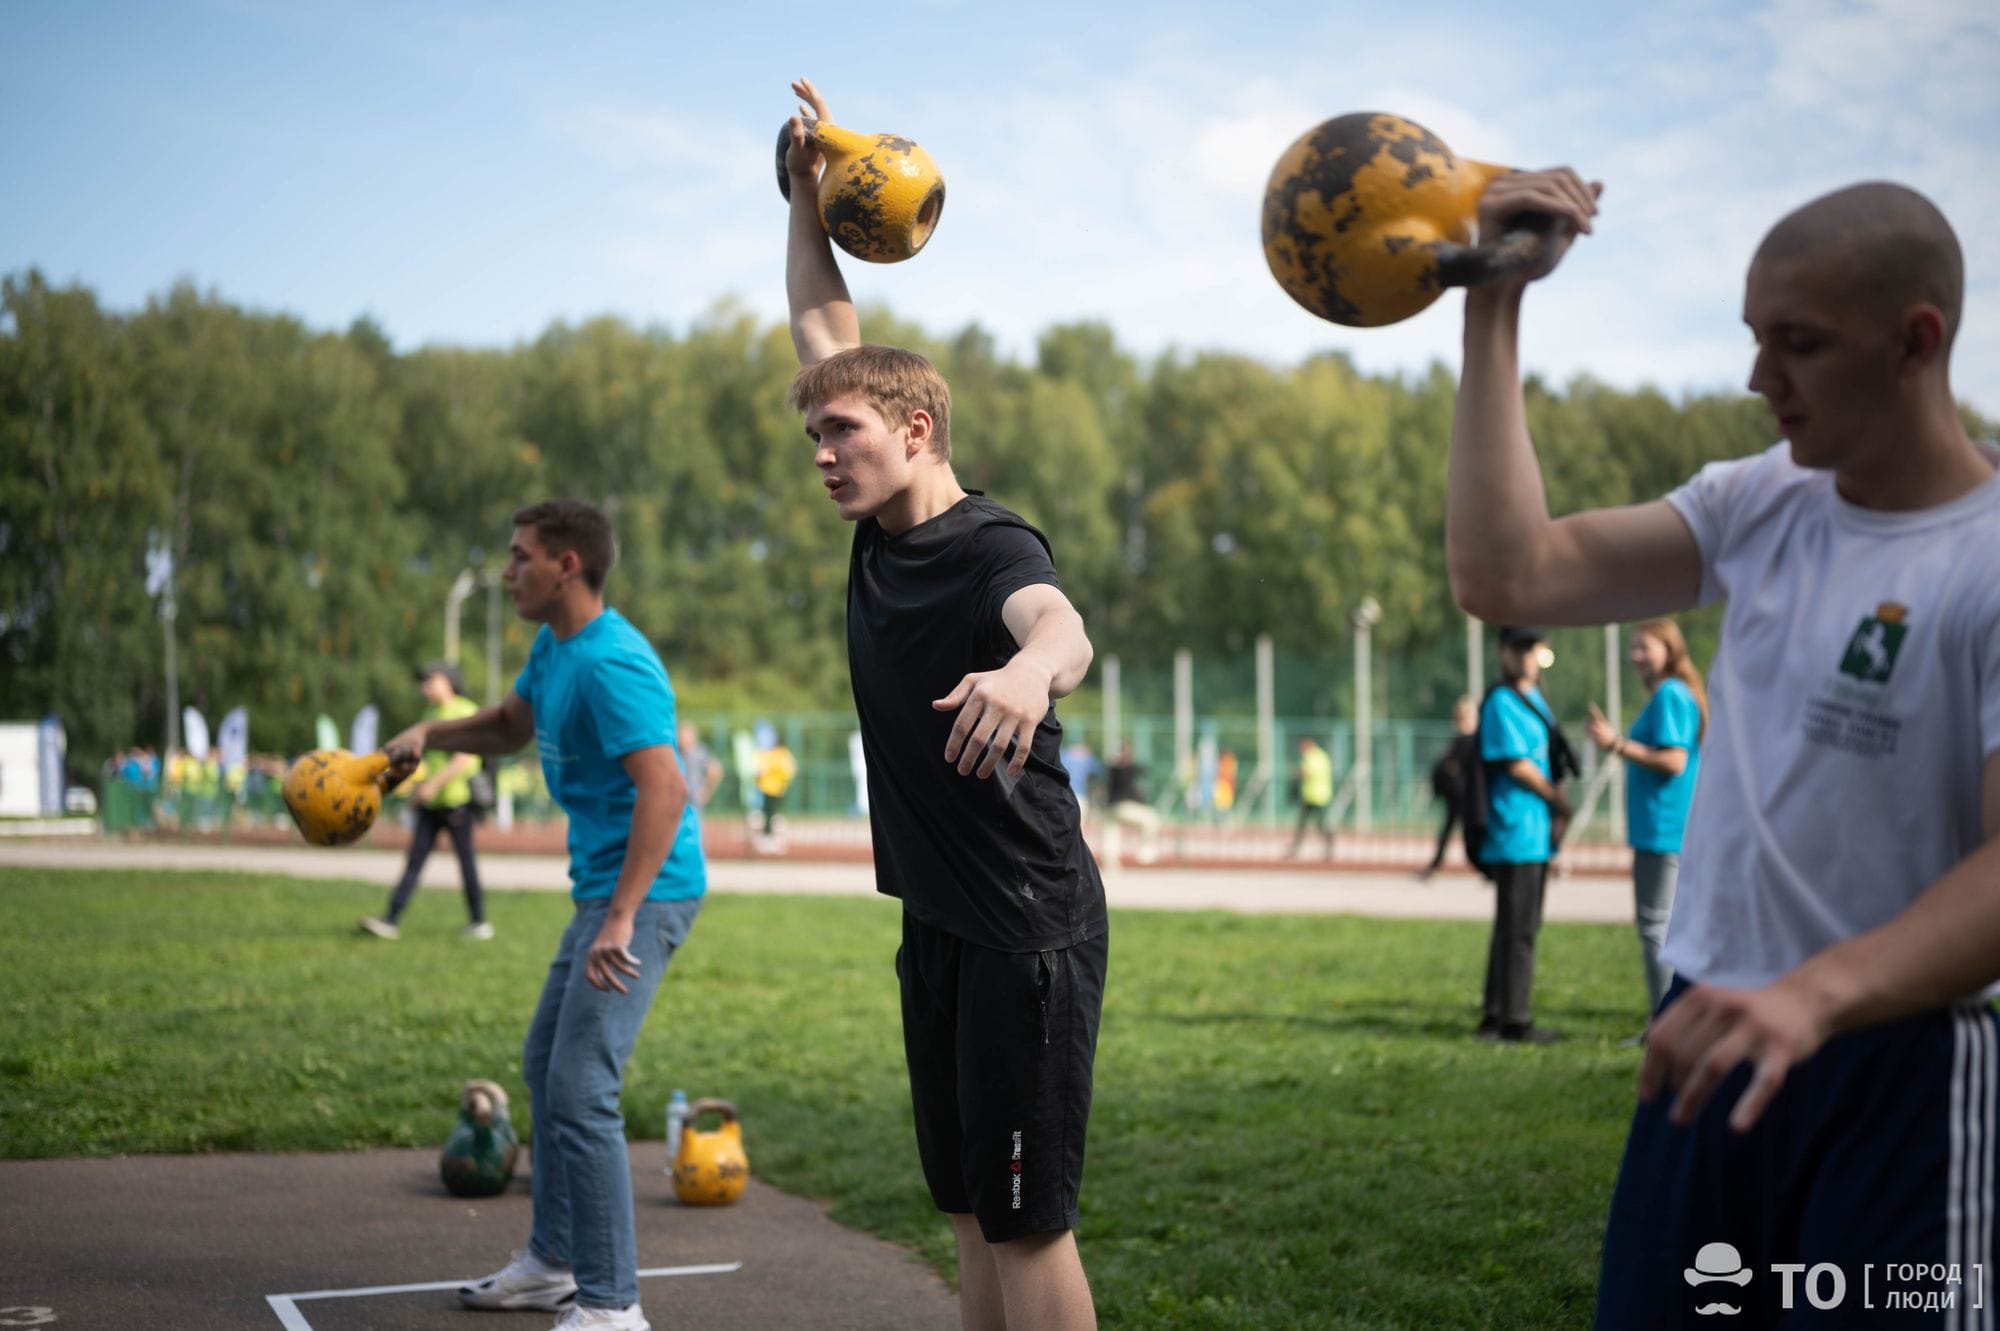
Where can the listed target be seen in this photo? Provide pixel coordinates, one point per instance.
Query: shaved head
(1891, 244)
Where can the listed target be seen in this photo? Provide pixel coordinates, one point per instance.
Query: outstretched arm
(823, 318)
(490, 730)
(998, 707)
(1509, 561)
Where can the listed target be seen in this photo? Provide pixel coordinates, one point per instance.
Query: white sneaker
(605, 1319)
(479, 932)
(380, 928)
(525, 1282)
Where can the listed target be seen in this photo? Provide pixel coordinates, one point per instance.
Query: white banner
(232, 738)
(194, 733)
(53, 744)
(367, 725)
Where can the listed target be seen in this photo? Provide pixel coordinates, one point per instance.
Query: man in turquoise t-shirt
(1516, 740)
(598, 704)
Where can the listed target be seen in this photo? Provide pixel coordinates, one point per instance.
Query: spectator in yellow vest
(440, 792)
(776, 767)
(1315, 777)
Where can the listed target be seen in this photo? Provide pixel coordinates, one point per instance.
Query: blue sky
(469, 172)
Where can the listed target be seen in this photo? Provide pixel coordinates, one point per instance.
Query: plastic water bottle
(677, 1112)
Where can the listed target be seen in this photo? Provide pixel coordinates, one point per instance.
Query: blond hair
(1679, 664)
(895, 382)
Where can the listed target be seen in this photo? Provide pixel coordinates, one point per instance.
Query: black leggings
(458, 822)
(1444, 833)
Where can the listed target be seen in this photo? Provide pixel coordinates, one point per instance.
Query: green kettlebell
(478, 1157)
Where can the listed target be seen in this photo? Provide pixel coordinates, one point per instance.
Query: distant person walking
(1450, 775)
(1662, 755)
(1126, 802)
(440, 801)
(1314, 776)
(1083, 768)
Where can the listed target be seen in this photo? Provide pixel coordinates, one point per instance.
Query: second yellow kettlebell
(710, 1168)
(880, 195)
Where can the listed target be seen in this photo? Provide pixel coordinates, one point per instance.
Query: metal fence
(1180, 719)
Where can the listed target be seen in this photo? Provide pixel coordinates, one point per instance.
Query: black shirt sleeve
(1009, 558)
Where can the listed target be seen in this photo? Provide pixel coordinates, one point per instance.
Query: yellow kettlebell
(880, 195)
(334, 795)
(1369, 217)
(710, 1168)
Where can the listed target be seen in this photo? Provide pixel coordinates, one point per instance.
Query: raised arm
(823, 318)
(1509, 560)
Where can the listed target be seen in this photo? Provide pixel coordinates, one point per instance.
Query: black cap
(1521, 635)
(449, 669)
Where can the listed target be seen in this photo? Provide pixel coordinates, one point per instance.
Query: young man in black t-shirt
(959, 638)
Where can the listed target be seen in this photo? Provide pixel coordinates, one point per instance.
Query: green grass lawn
(1293, 1127)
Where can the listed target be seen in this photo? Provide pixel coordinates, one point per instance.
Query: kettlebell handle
(1520, 247)
(706, 1104)
(784, 146)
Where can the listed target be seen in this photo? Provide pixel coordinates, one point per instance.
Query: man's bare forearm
(1061, 646)
(1496, 505)
(1944, 947)
(823, 317)
(489, 731)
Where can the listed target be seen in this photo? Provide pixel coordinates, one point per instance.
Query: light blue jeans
(1653, 877)
(574, 1064)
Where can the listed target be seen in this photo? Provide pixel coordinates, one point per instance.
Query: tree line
(315, 493)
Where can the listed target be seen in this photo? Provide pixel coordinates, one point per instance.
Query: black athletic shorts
(1000, 1047)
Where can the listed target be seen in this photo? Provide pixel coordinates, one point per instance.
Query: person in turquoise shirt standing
(1525, 761)
(597, 702)
(1662, 756)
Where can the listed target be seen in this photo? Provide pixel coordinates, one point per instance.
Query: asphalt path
(1288, 890)
(373, 1242)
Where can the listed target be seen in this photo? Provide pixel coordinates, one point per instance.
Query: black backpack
(1476, 795)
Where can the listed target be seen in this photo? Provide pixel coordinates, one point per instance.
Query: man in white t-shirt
(1819, 1088)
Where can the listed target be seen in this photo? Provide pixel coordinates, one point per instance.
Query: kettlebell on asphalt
(478, 1157)
(880, 195)
(1369, 217)
(334, 795)
(710, 1168)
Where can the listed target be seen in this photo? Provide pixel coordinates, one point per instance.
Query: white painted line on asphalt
(286, 1305)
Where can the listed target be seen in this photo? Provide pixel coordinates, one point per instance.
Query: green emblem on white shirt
(1871, 652)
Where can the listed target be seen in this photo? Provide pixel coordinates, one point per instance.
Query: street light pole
(1366, 616)
(1475, 658)
(461, 587)
(492, 639)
